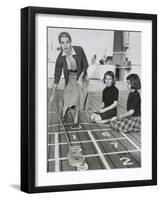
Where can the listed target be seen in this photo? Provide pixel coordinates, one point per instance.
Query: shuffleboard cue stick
(78, 105)
(75, 156)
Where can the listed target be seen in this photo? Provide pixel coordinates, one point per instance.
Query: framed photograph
(88, 99)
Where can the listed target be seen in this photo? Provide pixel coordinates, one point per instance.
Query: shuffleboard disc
(75, 157)
(83, 167)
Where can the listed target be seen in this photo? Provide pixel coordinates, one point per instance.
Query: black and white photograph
(89, 89)
(94, 99)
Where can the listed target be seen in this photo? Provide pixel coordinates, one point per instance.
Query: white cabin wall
(135, 48)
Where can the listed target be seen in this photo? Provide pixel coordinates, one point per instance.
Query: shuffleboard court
(101, 147)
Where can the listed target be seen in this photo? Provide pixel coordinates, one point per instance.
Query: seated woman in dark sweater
(108, 108)
(130, 121)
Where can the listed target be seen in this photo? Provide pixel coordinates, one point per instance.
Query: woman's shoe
(76, 126)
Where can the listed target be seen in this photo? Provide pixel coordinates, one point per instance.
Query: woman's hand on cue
(80, 82)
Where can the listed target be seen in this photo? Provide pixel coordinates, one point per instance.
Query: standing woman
(73, 62)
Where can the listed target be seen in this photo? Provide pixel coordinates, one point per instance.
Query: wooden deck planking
(64, 166)
(115, 159)
(88, 148)
(94, 163)
(122, 145)
(137, 136)
(51, 151)
(83, 136)
(54, 120)
(105, 134)
(73, 137)
(137, 156)
(122, 141)
(51, 166)
(62, 138)
(126, 144)
(51, 139)
(137, 142)
(109, 161)
(129, 160)
(106, 147)
(63, 150)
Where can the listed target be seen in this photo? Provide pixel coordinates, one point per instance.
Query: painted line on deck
(56, 153)
(99, 151)
(88, 141)
(121, 152)
(136, 146)
(96, 155)
(80, 131)
(66, 124)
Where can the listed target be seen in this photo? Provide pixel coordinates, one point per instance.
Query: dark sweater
(61, 65)
(134, 103)
(110, 94)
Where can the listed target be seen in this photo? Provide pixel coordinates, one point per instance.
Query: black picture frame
(28, 91)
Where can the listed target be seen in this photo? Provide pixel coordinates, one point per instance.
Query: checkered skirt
(127, 124)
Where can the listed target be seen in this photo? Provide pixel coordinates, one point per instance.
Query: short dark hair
(134, 81)
(110, 73)
(64, 34)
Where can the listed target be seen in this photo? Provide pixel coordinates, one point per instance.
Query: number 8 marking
(126, 161)
(106, 134)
